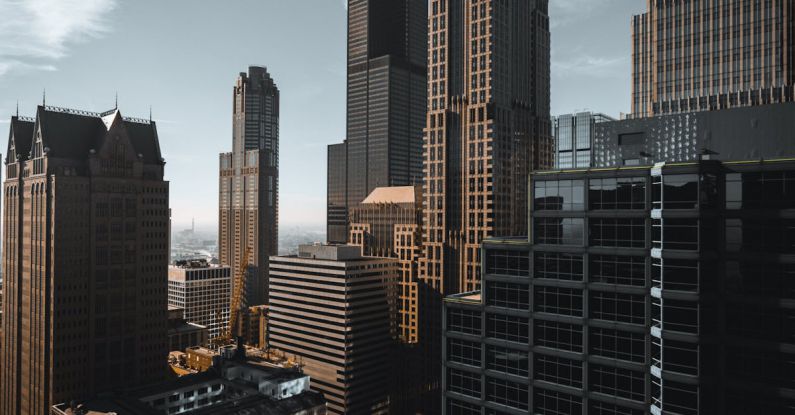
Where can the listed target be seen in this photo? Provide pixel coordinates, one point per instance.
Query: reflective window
(501, 359)
(760, 235)
(679, 234)
(681, 316)
(508, 328)
(558, 300)
(558, 370)
(680, 191)
(679, 274)
(508, 295)
(557, 335)
(614, 381)
(558, 266)
(618, 344)
(760, 190)
(756, 278)
(623, 193)
(617, 269)
(463, 351)
(559, 231)
(462, 382)
(455, 407)
(681, 357)
(463, 321)
(565, 195)
(507, 262)
(619, 307)
(507, 393)
(618, 233)
(546, 402)
(602, 408)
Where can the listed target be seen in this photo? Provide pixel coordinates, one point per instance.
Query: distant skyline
(182, 60)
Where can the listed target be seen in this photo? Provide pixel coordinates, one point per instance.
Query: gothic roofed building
(84, 258)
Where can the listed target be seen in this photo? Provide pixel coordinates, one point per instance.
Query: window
(613, 381)
(559, 231)
(462, 382)
(679, 274)
(679, 234)
(501, 359)
(508, 295)
(455, 407)
(547, 402)
(620, 270)
(558, 335)
(505, 262)
(557, 300)
(464, 321)
(618, 344)
(681, 398)
(558, 370)
(682, 357)
(754, 278)
(508, 328)
(558, 266)
(507, 393)
(463, 351)
(760, 235)
(681, 316)
(619, 307)
(618, 233)
(680, 191)
(602, 408)
(623, 193)
(760, 190)
(564, 195)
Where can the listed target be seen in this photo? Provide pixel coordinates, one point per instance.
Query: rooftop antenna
(44, 97)
(150, 113)
(17, 108)
(116, 105)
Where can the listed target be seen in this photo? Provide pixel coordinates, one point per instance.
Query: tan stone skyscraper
(488, 126)
(85, 251)
(248, 216)
(712, 54)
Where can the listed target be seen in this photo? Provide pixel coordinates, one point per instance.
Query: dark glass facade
(387, 54)
(672, 294)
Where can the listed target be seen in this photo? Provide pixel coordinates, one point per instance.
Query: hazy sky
(181, 57)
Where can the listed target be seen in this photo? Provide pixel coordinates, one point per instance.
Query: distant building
(85, 251)
(387, 99)
(335, 311)
(182, 334)
(253, 326)
(233, 386)
(203, 292)
(249, 182)
(708, 55)
(573, 134)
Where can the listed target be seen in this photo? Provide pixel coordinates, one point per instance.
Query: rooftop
(397, 194)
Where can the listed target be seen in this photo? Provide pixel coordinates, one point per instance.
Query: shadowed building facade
(387, 53)
(711, 54)
(488, 126)
(85, 254)
(248, 215)
(334, 310)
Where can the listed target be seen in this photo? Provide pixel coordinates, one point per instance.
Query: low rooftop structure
(234, 385)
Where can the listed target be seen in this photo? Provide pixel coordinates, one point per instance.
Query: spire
(44, 97)
(116, 105)
(150, 113)
(17, 108)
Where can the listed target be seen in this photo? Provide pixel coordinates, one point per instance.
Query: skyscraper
(249, 182)
(335, 311)
(85, 251)
(710, 54)
(488, 126)
(387, 55)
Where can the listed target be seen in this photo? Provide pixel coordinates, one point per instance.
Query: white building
(203, 291)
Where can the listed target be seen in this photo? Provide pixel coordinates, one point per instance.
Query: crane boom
(238, 287)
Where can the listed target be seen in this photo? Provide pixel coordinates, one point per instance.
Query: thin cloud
(36, 33)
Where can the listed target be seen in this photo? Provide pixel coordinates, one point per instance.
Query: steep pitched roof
(396, 194)
(21, 132)
(72, 134)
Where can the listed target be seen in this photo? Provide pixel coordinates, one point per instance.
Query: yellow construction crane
(238, 286)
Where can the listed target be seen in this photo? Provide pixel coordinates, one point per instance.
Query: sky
(181, 58)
